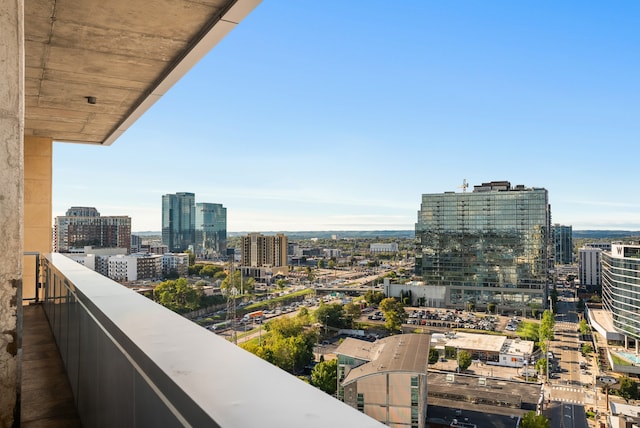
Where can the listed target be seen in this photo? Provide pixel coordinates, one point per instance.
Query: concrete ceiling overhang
(122, 54)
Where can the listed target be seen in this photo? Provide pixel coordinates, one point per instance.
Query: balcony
(130, 362)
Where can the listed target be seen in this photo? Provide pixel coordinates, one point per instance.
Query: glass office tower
(486, 246)
(178, 221)
(621, 288)
(211, 230)
(563, 239)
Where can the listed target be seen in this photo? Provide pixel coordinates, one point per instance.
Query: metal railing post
(36, 299)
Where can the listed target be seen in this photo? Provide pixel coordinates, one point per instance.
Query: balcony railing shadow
(131, 362)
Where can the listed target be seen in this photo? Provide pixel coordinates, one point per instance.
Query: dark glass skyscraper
(563, 239)
(211, 229)
(178, 221)
(486, 246)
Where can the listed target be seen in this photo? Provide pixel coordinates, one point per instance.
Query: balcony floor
(46, 397)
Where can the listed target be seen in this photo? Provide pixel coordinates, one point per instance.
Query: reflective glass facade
(211, 229)
(621, 287)
(178, 221)
(563, 238)
(486, 246)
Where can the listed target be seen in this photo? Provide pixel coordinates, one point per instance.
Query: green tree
(178, 295)
(529, 331)
(304, 316)
(583, 327)
(434, 355)
(331, 315)
(310, 275)
(464, 360)
(288, 344)
(533, 420)
(541, 366)
(352, 312)
(374, 297)
(210, 270)
(547, 323)
(331, 264)
(236, 280)
(321, 264)
(628, 388)
(281, 283)
(325, 376)
(394, 313)
(586, 348)
(195, 269)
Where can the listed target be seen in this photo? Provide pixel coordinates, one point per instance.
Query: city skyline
(335, 117)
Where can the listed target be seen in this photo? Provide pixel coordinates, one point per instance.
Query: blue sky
(339, 115)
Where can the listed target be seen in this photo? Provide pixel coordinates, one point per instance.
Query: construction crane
(464, 185)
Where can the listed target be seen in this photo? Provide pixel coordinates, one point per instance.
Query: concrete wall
(37, 206)
(11, 200)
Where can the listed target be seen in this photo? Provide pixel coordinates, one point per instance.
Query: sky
(339, 115)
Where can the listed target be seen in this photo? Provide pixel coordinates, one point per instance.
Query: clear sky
(339, 115)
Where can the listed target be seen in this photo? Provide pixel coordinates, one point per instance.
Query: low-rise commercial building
(386, 379)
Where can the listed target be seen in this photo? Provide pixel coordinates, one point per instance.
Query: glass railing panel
(132, 362)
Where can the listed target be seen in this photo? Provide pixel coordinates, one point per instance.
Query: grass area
(619, 361)
(528, 330)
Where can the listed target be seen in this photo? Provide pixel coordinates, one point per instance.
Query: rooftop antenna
(464, 185)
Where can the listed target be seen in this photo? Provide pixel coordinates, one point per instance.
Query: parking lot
(451, 318)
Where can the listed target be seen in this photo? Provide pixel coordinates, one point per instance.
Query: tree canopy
(331, 315)
(628, 388)
(464, 360)
(394, 313)
(352, 312)
(178, 295)
(434, 355)
(288, 344)
(239, 282)
(374, 297)
(533, 420)
(547, 324)
(325, 376)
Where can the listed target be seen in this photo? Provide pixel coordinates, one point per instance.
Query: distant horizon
(377, 230)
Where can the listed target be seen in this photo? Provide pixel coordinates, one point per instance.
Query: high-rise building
(211, 230)
(563, 240)
(178, 221)
(589, 259)
(83, 226)
(486, 246)
(263, 256)
(621, 289)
